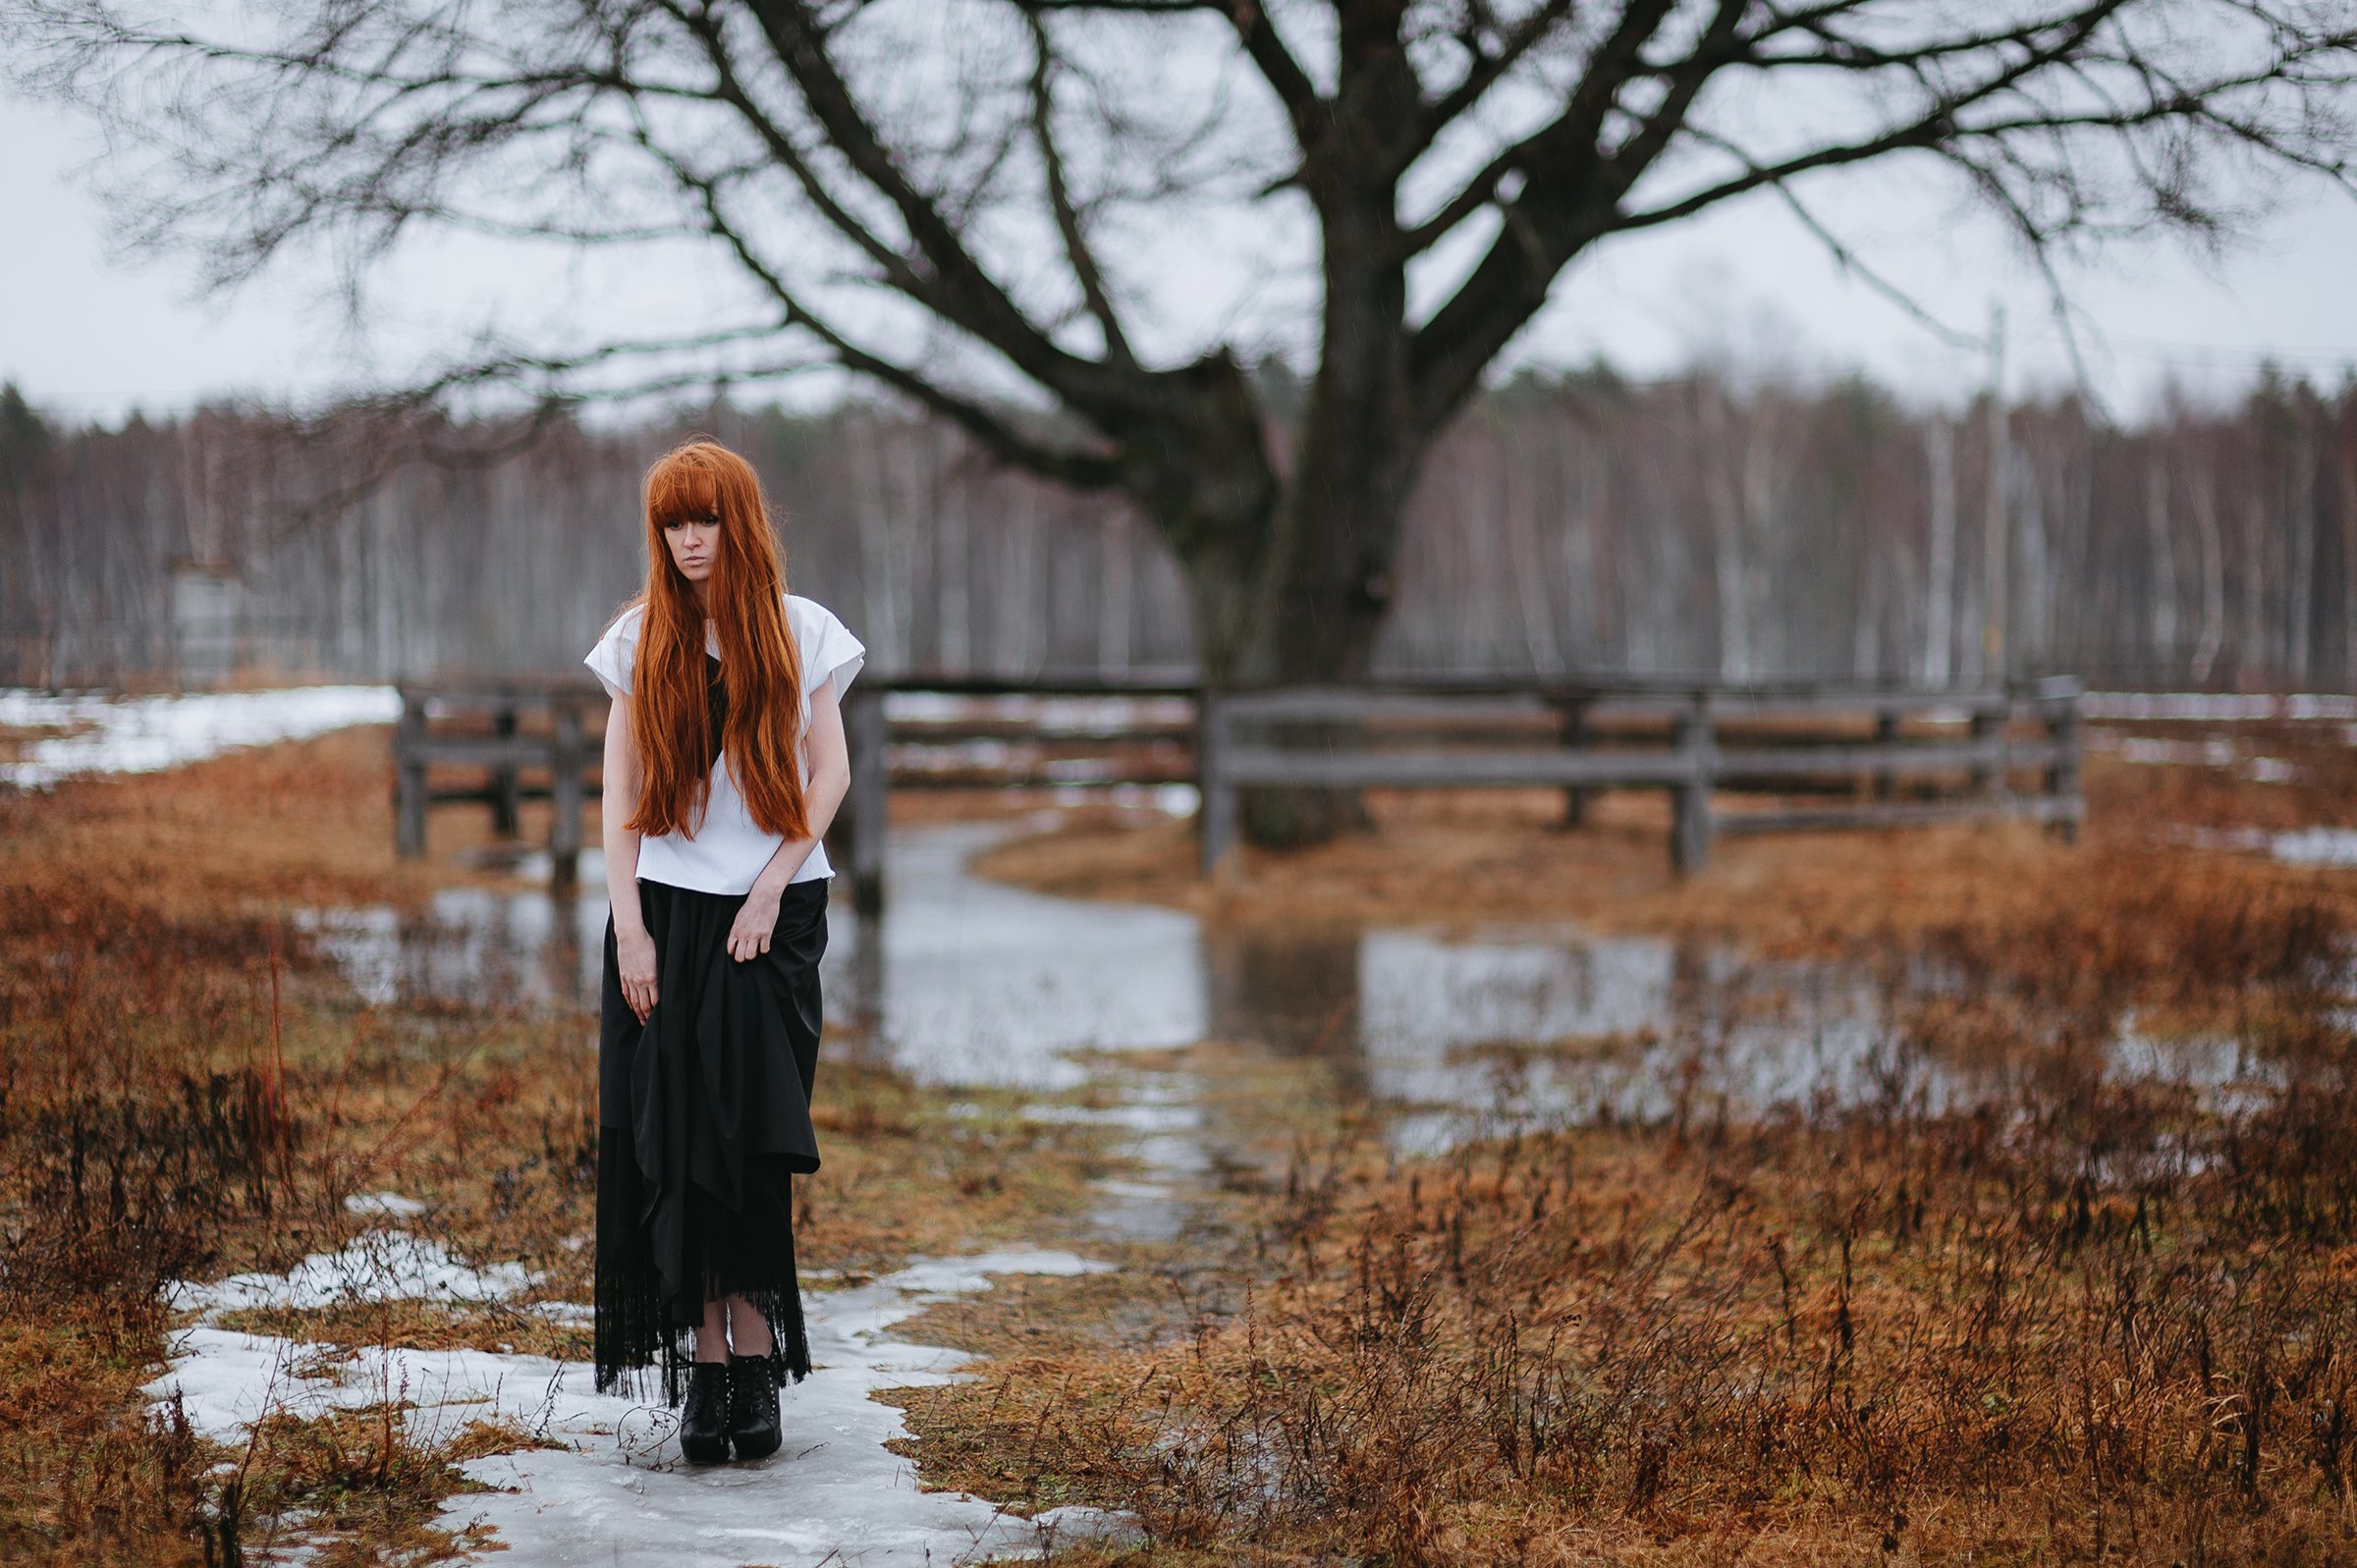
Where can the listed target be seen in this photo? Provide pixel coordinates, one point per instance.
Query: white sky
(89, 335)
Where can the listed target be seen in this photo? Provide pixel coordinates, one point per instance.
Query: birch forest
(1706, 525)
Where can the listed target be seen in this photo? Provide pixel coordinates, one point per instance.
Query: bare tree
(966, 201)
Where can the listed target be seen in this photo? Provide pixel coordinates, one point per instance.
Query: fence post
(1691, 804)
(565, 792)
(1885, 737)
(2062, 715)
(504, 792)
(1214, 811)
(1989, 778)
(868, 736)
(1575, 733)
(409, 776)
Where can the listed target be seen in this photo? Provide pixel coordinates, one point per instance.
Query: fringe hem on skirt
(644, 1330)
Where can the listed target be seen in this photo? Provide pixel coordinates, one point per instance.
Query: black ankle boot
(752, 1407)
(704, 1421)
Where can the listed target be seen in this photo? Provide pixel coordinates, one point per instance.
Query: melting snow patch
(2334, 848)
(381, 1265)
(616, 1491)
(2316, 846)
(391, 1204)
(2216, 706)
(145, 734)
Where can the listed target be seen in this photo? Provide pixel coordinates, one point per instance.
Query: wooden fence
(1834, 755)
(1897, 756)
(529, 738)
(542, 739)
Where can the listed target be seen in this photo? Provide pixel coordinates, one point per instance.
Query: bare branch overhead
(1068, 224)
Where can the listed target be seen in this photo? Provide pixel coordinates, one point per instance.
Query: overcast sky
(91, 335)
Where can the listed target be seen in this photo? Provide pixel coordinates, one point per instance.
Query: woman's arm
(633, 949)
(822, 797)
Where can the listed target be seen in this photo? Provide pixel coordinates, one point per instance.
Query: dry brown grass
(359, 1485)
(2084, 1320)
(2040, 1334)
(188, 1090)
(2080, 1320)
(1435, 857)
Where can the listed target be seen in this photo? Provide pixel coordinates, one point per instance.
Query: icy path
(145, 734)
(618, 1493)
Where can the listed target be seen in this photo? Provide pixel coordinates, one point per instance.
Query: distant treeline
(1573, 523)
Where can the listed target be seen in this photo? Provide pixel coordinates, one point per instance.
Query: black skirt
(703, 1121)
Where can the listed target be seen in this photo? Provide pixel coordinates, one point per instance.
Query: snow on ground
(145, 734)
(381, 1265)
(616, 1491)
(2315, 846)
(2218, 707)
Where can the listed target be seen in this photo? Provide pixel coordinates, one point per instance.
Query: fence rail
(534, 739)
(1691, 742)
(1893, 756)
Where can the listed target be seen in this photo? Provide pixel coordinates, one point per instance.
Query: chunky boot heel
(752, 1407)
(704, 1421)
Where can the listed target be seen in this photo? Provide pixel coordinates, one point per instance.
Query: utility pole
(1996, 587)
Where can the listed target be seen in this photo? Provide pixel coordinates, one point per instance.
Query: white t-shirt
(727, 850)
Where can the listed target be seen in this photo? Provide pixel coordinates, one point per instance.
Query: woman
(724, 764)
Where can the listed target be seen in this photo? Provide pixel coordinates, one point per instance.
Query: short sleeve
(614, 653)
(829, 650)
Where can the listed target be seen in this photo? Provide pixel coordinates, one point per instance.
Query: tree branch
(1552, 216)
(1082, 471)
(1491, 67)
(1277, 66)
(961, 290)
(1083, 262)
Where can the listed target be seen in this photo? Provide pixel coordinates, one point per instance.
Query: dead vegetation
(1442, 858)
(189, 1089)
(2075, 1319)
(2077, 1314)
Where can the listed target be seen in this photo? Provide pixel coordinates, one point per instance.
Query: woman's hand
(635, 962)
(756, 921)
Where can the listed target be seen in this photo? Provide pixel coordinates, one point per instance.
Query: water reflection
(969, 981)
(965, 981)
(530, 946)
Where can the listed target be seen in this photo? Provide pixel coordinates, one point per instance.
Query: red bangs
(679, 487)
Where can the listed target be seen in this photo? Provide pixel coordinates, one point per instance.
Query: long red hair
(745, 596)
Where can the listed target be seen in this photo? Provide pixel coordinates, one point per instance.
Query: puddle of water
(969, 981)
(528, 947)
(1170, 1142)
(616, 1491)
(1461, 1033)
(964, 981)
(145, 734)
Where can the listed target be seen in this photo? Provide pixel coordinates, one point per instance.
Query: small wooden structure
(510, 729)
(1899, 756)
(1851, 755)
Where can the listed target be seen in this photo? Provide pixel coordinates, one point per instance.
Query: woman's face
(694, 545)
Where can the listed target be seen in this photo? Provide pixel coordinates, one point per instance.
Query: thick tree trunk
(1308, 614)
(1305, 604)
